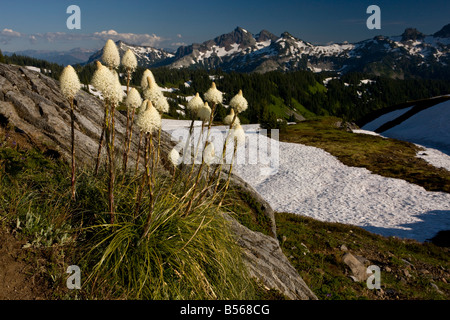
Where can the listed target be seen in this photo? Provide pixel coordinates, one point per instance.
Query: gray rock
(357, 266)
(435, 287)
(264, 205)
(265, 261)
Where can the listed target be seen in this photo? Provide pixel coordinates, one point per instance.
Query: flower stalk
(70, 85)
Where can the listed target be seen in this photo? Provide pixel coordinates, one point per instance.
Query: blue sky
(26, 24)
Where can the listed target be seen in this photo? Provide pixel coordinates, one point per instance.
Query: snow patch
(360, 131)
(33, 68)
(311, 182)
(435, 157)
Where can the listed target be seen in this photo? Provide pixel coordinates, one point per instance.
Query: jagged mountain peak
(412, 34)
(240, 50)
(444, 32)
(287, 35)
(146, 56)
(238, 35)
(265, 35)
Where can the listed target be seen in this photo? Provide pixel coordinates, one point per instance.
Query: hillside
(34, 151)
(34, 129)
(72, 57)
(289, 96)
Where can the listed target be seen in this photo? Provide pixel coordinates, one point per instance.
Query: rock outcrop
(266, 262)
(34, 105)
(358, 266)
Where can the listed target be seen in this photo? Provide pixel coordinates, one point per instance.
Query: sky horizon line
(123, 37)
(27, 24)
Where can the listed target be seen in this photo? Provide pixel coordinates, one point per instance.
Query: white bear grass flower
(238, 135)
(239, 103)
(174, 157)
(129, 61)
(133, 99)
(229, 119)
(209, 154)
(144, 81)
(213, 95)
(111, 56)
(69, 82)
(204, 112)
(149, 119)
(195, 104)
(153, 93)
(70, 85)
(103, 80)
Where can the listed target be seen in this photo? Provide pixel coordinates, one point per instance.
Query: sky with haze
(41, 25)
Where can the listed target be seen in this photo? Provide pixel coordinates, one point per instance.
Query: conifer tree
(2, 58)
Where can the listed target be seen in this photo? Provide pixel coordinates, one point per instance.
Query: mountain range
(146, 56)
(73, 56)
(411, 54)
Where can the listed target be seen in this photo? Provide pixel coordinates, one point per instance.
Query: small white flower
(118, 94)
(174, 157)
(104, 81)
(149, 120)
(111, 56)
(153, 93)
(229, 118)
(70, 84)
(144, 81)
(213, 95)
(195, 104)
(204, 113)
(134, 99)
(238, 135)
(209, 154)
(129, 60)
(239, 103)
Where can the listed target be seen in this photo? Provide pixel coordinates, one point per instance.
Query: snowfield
(311, 182)
(429, 127)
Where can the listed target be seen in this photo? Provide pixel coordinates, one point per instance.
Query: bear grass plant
(140, 235)
(185, 256)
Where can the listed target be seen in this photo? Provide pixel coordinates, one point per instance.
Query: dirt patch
(17, 279)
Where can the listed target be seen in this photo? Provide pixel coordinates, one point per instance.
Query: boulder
(265, 261)
(358, 266)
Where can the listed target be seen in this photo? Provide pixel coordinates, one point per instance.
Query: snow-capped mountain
(220, 51)
(146, 56)
(410, 54)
